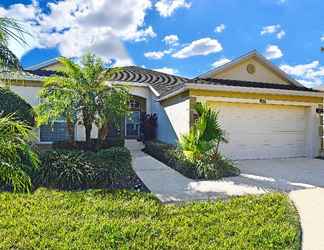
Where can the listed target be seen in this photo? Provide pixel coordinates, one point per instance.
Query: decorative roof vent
(250, 69)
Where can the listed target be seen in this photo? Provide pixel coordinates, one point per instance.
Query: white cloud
(220, 28)
(171, 40)
(273, 52)
(204, 46)
(273, 29)
(281, 34)
(155, 55)
(220, 62)
(99, 26)
(322, 38)
(310, 74)
(167, 70)
(167, 7)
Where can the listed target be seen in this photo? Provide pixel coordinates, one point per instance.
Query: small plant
(17, 157)
(149, 122)
(205, 135)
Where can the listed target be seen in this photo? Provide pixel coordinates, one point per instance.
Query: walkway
(169, 185)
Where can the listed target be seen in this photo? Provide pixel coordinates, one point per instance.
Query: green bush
(114, 165)
(213, 168)
(208, 167)
(11, 103)
(72, 169)
(65, 170)
(17, 157)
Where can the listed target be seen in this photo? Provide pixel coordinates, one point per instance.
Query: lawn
(99, 219)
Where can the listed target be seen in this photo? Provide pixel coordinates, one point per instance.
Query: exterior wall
(173, 118)
(262, 73)
(29, 91)
(29, 94)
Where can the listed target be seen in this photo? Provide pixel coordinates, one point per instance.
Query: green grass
(124, 220)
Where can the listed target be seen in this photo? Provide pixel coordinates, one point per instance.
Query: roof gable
(51, 64)
(265, 71)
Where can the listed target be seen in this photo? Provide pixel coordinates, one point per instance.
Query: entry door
(132, 124)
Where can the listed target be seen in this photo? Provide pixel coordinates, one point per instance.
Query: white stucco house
(266, 114)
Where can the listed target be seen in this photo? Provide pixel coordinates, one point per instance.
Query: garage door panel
(263, 131)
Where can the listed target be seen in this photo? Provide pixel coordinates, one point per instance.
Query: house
(265, 113)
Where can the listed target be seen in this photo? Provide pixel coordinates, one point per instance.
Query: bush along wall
(76, 170)
(207, 168)
(11, 103)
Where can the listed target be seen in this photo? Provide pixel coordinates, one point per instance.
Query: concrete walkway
(169, 185)
(310, 206)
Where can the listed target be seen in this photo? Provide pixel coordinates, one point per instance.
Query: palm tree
(205, 136)
(80, 93)
(17, 158)
(10, 29)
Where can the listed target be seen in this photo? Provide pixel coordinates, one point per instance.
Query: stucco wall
(262, 73)
(173, 119)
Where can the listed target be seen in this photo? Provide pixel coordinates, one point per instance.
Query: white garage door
(263, 131)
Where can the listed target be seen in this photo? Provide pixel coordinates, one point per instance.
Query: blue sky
(204, 32)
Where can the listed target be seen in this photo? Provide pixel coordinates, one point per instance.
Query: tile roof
(161, 82)
(237, 83)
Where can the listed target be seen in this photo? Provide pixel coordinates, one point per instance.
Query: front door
(132, 124)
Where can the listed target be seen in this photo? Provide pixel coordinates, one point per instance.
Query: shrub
(114, 166)
(169, 155)
(209, 166)
(65, 170)
(11, 103)
(72, 169)
(204, 136)
(149, 122)
(17, 157)
(213, 168)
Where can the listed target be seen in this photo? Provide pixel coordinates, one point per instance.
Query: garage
(257, 131)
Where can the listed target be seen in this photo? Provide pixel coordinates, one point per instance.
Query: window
(133, 105)
(56, 132)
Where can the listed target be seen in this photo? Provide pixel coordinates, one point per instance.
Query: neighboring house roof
(251, 54)
(19, 75)
(41, 72)
(44, 64)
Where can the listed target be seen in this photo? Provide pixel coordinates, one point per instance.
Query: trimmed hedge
(11, 103)
(77, 170)
(207, 168)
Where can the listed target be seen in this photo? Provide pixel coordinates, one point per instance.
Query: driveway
(282, 174)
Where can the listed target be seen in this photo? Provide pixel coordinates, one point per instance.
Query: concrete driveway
(282, 174)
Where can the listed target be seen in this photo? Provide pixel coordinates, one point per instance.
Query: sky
(182, 37)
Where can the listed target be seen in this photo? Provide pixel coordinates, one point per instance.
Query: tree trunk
(103, 132)
(88, 128)
(70, 127)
